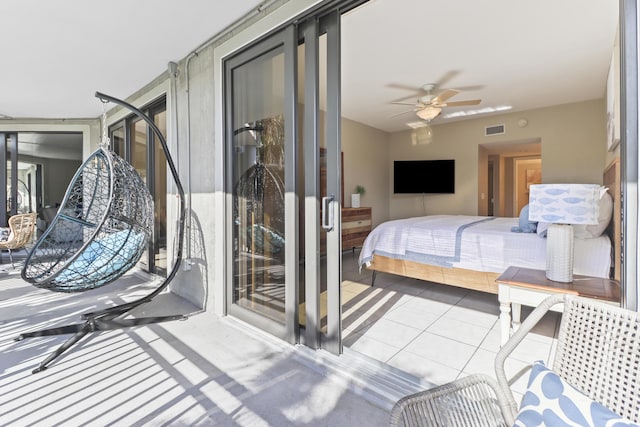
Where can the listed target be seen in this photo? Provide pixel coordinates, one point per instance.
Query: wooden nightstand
(356, 226)
(527, 286)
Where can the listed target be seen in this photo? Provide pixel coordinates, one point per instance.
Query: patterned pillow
(4, 233)
(550, 401)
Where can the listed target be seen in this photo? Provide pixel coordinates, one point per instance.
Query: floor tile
(427, 305)
(458, 330)
(371, 347)
(492, 341)
(443, 293)
(471, 316)
(392, 333)
(424, 368)
(411, 317)
(443, 350)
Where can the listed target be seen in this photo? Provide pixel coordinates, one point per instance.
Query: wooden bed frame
(485, 281)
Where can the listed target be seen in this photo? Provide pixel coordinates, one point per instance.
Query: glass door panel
(138, 132)
(160, 197)
(138, 129)
(133, 140)
(118, 141)
(258, 184)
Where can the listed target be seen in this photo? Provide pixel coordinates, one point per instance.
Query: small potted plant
(355, 197)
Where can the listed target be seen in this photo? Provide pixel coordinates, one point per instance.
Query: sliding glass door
(284, 215)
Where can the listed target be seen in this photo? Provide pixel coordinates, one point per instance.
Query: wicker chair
(598, 352)
(22, 227)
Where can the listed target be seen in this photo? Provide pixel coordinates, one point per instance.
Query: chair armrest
(472, 401)
(515, 339)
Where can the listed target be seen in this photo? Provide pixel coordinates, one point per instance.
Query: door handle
(327, 213)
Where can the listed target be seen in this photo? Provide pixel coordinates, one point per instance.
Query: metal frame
(3, 176)
(330, 24)
(629, 151)
(312, 194)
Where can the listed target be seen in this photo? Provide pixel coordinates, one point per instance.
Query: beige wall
(365, 151)
(573, 150)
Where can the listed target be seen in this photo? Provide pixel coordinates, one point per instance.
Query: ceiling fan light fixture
(422, 135)
(428, 113)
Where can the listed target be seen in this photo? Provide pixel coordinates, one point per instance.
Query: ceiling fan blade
(442, 81)
(468, 88)
(401, 86)
(461, 103)
(415, 92)
(401, 113)
(443, 96)
(403, 103)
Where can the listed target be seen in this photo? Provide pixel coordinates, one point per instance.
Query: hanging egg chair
(100, 231)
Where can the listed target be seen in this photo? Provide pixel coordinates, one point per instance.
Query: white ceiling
(57, 54)
(63, 146)
(523, 53)
(526, 54)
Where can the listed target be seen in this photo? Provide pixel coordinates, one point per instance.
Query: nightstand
(356, 226)
(517, 286)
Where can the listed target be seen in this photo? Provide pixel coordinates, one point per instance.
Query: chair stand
(104, 320)
(11, 258)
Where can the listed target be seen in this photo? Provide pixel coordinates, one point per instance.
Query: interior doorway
(528, 171)
(502, 180)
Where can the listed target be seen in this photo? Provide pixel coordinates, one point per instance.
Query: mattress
(477, 243)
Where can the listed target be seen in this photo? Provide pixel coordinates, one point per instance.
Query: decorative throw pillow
(604, 217)
(4, 234)
(550, 401)
(542, 229)
(524, 225)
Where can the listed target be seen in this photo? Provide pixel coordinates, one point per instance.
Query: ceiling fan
(429, 105)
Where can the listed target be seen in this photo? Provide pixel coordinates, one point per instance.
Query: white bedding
(484, 244)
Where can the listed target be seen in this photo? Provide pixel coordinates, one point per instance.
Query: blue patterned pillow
(4, 233)
(550, 401)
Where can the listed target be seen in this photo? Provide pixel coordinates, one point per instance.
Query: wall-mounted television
(424, 176)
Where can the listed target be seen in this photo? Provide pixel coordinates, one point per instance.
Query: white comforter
(476, 243)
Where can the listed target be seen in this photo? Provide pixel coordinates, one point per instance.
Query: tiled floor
(211, 371)
(204, 371)
(435, 333)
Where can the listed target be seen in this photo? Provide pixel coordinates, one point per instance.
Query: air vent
(494, 130)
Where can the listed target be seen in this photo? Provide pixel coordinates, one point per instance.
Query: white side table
(526, 286)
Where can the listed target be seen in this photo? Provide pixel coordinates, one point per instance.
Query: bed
(472, 251)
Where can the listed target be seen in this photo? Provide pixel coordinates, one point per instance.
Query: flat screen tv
(424, 176)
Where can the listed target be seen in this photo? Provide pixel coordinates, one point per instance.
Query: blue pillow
(524, 225)
(550, 401)
(99, 258)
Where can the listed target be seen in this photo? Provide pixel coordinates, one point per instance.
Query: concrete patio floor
(203, 371)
